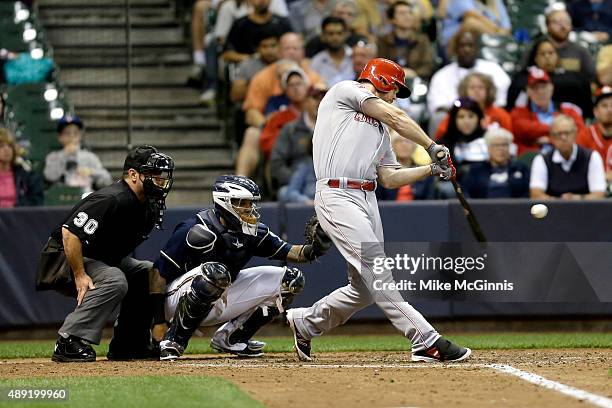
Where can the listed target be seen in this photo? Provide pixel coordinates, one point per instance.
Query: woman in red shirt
(18, 185)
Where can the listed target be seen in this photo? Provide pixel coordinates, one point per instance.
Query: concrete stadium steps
(105, 138)
(151, 117)
(193, 159)
(89, 44)
(88, 36)
(141, 97)
(108, 17)
(111, 56)
(116, 76)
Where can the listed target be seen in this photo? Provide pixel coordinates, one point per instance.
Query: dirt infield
(376, 379)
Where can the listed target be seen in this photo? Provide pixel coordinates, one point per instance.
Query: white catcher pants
(351, 217)
(258, 286)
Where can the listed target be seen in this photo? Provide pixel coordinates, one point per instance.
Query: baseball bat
(467, 209)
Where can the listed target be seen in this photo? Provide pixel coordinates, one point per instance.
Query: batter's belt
(357, 184)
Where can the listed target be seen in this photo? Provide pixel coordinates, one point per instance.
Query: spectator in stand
(500, 176)
(594, 16)
(232, 10)
(303, 182)
(569, 171)
(296, 86)
(531, 123)
(464, 136)
(74, 166)
(482, 16)
(334, 64)
(267, 53)
(444, 83)
(307, 15)
(248, 154)
(362, 53)
(19, 185)
(598, 136)
(604, 65)
(406, 44)
(346, 10)
(266, 83)
(290, 148)
(570, 86)
(240, 43)
(480, 88)
(572, 56)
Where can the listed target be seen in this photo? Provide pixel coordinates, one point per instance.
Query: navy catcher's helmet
(235, 199)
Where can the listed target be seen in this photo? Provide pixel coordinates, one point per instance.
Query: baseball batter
(352, 151)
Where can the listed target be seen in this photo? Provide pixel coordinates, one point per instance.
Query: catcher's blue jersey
(232, 248)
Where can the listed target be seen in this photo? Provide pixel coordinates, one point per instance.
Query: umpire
(87, 257)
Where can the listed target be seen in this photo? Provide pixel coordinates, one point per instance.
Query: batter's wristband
(158, 301)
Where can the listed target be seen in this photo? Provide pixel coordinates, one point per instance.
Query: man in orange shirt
(266, 83)
(531, 123)
(598, 136)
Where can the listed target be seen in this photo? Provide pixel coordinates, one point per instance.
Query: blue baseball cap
(68, 120)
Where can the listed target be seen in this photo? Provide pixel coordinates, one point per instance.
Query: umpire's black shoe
(300, 344)
(73, 349)
(442, 351)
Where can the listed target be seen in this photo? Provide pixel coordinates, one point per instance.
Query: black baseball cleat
(170, 350)
(442, 351)
(73, 350)
(300, 344)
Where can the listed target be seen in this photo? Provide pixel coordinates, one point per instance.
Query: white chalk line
(597, 400)
(540, 381)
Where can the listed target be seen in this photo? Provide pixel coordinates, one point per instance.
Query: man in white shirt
(569, 172)
(334, 64)
(443, 88)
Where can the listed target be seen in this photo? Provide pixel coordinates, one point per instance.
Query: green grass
(142, 391)
(33, 349)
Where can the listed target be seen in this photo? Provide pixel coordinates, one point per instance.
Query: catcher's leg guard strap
(259, 318)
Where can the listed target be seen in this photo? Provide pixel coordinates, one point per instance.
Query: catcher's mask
(236, 199)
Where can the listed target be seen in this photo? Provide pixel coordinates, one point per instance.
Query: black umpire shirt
(110, 223)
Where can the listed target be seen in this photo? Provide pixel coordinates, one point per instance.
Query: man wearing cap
(87, 257)
(351, 152)
(531, 123)
(74, 166)
(295, 84)
(598, 136)
(569, 171)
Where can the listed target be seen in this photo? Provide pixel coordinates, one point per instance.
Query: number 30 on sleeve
(81, 220)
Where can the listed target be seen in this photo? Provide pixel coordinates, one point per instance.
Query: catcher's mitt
(317, 241)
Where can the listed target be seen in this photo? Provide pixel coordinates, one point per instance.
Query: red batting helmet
(383, 73)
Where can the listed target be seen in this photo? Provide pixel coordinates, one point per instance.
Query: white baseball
(539, 210)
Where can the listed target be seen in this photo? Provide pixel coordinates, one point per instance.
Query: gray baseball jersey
(347, 142)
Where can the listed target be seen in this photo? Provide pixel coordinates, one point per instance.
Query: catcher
(202, 265)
